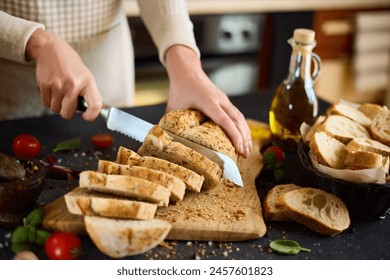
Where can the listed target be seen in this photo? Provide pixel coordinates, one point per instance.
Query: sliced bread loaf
(81, 201)
(318, 210)
(380, 127)
(328, 150)
(370, 109)
(124, 185)
(175, 185)
(191, 179)
(343, 129)
(159, 144)
(120, 238)
(196, 127)
(270, 211)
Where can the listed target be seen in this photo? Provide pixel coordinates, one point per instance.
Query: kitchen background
(244, 46)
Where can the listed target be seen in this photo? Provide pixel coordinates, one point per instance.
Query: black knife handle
(81, 104)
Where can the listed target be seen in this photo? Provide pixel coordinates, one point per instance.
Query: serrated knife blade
(137, 128)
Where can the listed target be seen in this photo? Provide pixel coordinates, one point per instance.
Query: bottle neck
(300, 63)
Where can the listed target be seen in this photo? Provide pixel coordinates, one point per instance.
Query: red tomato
(26, 146)
(102, 140)
(63, 246)
(279, 154)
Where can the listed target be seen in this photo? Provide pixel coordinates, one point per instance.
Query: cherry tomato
(26, 146)
(63, 246)
(279, 154)
(102, 140)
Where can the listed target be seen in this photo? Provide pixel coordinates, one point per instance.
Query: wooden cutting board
(224, 213)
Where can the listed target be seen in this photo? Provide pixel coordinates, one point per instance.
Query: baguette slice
(328, 150)
(81, 201)
(159, 144)
(349, 112)
(370, 109)
(172, 183)
(356, 160)
(120, 238)
(343, 129)
(195, 126)
(380, 127)
(271, 211)
(310, 134)
(123, 185)
(191, 179)
(316, 209)
(368, 145)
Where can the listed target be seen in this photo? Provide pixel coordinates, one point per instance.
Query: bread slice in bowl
(380, 127)
(119, 238)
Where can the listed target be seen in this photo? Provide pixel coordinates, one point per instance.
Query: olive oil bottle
(295, 100)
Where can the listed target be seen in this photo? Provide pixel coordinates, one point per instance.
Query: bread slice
(349, 112)
(314, 128)
(123, 185)
(159, 144)
(368, 145)
(81, 201)
(196, 127)
(191, 179)
(328, 150)
(380, 127)
(362, 160)
(270, 210)
(343, 128)
(127, 156)
(318, 210)
(172, 183)
(370, 109)
(120, 238)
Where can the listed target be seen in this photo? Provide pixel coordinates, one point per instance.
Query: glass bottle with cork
(295, 100)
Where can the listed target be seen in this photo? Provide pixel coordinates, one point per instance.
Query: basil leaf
(68, 145)
(287, 247)
(20, 235)
(34, 218)
(20, 247)
(41, 236)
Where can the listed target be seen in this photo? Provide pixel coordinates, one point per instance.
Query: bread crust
(380, 127)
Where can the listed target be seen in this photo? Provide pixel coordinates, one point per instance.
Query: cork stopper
(304, 36)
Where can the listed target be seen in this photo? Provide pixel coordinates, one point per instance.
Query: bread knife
(136, 128)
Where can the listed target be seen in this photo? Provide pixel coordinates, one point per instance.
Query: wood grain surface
(225, 213)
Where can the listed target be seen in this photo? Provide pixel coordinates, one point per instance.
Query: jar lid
(304, 36)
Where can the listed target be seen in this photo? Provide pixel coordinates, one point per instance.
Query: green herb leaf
(20, 247)
(34, 218)
(278, 174)
(287, 247)
(269, 159)
(41, 236)
(20, 235)
(68, 145)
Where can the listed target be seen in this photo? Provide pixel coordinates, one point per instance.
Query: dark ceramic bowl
(18, 198)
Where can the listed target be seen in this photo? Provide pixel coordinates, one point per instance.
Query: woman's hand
(191, 88)
(62, 76)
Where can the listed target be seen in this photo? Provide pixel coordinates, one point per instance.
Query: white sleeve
(14, 34)
(169, 24)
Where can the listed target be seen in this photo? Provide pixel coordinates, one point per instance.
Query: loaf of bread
(316, 209)
(270, 211)
(380, 126)
(172, 183)
(119, 238)
(191, 179)
(328, 150)
(123, 185)
(196, 127)
(82, 201)
(159, 144)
